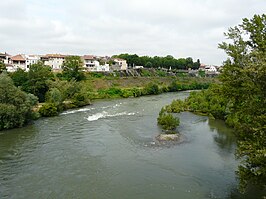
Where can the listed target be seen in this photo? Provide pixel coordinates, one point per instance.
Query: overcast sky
(182, 28)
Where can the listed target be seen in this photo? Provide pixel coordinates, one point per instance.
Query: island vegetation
(239, 98)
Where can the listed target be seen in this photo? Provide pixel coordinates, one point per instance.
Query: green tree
(15, 105)
(20, 78)
(167, 121)
(244, 85)
(37, 80)
(72, 68)
(2, 66)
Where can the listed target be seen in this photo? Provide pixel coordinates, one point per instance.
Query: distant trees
(160, 62)
(72, 68)
(15, 105)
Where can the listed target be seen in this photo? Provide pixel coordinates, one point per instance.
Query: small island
(168, 122)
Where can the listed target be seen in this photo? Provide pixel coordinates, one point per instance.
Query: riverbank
(105, 87)
(47, 94)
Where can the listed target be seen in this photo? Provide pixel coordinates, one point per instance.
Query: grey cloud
(148, 27)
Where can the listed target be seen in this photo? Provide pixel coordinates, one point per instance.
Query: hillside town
(91, 63)
(55, 61)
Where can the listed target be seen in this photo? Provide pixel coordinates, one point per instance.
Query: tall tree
(15, 105)
(37, 80)
(72, 68)
(244, 85)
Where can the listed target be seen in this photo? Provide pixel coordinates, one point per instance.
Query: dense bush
(48, 110)
(151, 89)
(167, 121)
(15, 105)
(80, 99)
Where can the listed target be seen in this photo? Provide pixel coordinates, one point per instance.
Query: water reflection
(13, 141)
(224, 136)
(251, 193)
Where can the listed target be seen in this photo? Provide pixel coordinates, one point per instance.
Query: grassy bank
(107, 87)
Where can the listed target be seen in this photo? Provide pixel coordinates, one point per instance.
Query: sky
(181, 28)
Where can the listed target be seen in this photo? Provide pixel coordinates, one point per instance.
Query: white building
(55, 61)
(121, 63)
(5, 58)
(91, 63)
(19, 61)
(103, 68)
(31, 59)
(210, 69)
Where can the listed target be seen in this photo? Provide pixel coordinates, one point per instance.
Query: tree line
(160, 62)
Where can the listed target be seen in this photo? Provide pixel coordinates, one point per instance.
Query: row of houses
(56, 61)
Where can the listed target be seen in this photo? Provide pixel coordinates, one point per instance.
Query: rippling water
(108, 150)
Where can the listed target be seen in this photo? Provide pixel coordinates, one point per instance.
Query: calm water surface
(108, 150)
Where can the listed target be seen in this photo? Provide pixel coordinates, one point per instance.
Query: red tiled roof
(54, 56)
(18, 58)
(90, 57)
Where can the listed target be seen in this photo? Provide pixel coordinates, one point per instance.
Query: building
(55, 61)
(31, 59)
(18, 61)
(103, 68)
(210, 69)
(90, 63)
(6, 58)
(121, 63)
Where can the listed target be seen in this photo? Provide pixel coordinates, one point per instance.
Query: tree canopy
(244, 85)
(15, 105)
(160, 62)
(72, 68)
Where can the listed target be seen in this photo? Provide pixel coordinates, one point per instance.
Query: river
(108, 150)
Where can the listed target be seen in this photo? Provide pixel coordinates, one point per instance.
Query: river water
(108, 150)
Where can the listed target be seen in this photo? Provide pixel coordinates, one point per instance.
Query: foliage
(167, 120)
(240, 99)
(151, 89)
(161, 73)
(35, 80)
(160, 62)
(72, 68)
(96, 75)
(145, 73)
(20, 78)
(244, 84)
(48, 110)
(80, 99)
(15, 105)
(202, 73)
(176, 106)
(54, 96)
(193, 85)
(2, 66)
(67, 88)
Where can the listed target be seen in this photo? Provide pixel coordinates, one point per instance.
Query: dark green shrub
(80, 99)
(168, 121)
(136, 92)
(151, 89)
(127, 93)
(48, 110)
(15, 105)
